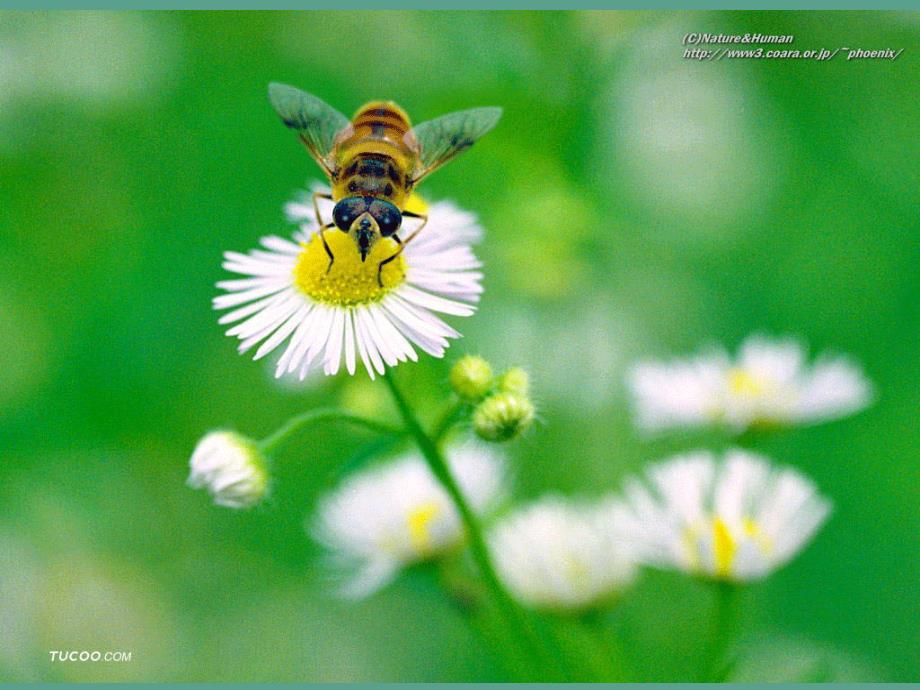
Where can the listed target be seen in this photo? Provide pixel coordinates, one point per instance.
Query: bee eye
(345, 212)
(387, 216)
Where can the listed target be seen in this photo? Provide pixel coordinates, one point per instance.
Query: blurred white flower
(737, 519)
(98, 59)
(327, 315)
(396, 514)
(551, 342)
(22, 593)
(698, 148)
(81, 63)
(769, 383)
(561, 555)
(231, 468)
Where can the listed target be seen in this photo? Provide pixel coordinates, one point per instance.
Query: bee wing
(316, 121)
(440, 140)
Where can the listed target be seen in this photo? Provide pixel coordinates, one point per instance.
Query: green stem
(446, 421)
(746, 439)
(514, 617)
(298, 422)
(716, 666)
(613, 663)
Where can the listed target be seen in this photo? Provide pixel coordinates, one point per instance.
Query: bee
(375, 161)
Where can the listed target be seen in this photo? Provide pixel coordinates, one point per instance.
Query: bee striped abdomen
(374, 159)
(384, 119)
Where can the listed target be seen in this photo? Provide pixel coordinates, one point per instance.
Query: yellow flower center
(741, 382)
(753, 532)
(577, 573)
(724, 544)
(723, 547)
(418, 522)
(349, 281)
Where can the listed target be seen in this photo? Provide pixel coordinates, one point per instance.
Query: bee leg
(323, 226)
(402, 243)
(409, 214)
(388, 260)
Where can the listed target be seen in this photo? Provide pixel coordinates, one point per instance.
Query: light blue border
(461, 5)
(480, 686)
(471, 686)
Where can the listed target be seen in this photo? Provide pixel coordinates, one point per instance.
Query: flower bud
(515, 380)
(502, 417)
(231, 467)
(471, 378)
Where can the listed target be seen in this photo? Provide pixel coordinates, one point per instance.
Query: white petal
(396, 339)
(349, 344)
(334, 346)
(252, 308)
(445, 306)
(361, 339)
(283, 332)
(236, 298)
(390, 353)
(280, 245)
(271, 315)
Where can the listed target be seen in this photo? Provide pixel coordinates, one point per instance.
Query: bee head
(366, 219)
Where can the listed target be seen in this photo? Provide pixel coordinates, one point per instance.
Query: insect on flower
(375, 161)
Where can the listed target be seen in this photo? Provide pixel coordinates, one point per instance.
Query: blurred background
(636, 204)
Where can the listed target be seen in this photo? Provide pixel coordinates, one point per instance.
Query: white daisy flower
(231, 468)
(769, 383)
(326, 315)
(561, 555)
(738, 519)
(396, 514)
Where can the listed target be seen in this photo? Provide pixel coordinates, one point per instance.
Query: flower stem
(716, 664)
(298, 422)
(747, 438)
(446, 421)
(513, 616)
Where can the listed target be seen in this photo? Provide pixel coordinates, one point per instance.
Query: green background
(636, 204)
